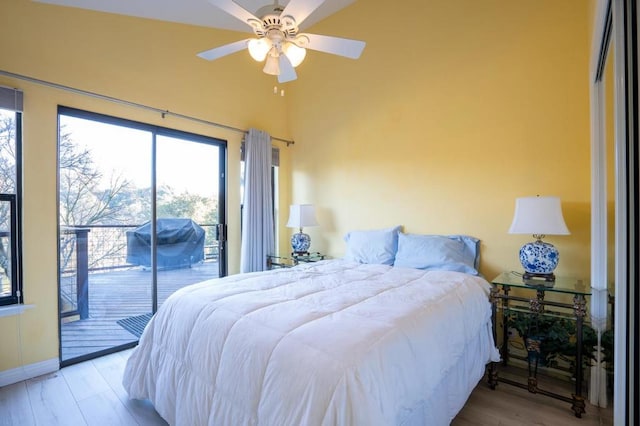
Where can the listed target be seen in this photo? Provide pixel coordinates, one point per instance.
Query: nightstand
(532, 311)
(277, 262)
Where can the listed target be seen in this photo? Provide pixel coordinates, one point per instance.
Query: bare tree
(7, 162)
(82, 201)
(85, 200)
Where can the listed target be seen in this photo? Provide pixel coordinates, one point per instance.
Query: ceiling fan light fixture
(295, 54)
(271, 66)
(258, 48)
(277, 40)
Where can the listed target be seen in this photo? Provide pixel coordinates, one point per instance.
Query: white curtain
(257, 213)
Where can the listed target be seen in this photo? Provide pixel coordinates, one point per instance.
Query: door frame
(155, 131)
(617, 21)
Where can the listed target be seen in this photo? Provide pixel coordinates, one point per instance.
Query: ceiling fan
(278, 41)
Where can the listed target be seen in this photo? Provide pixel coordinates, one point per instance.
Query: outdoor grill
(180, 243)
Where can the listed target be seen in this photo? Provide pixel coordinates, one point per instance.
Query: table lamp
(301, 215)
(539, 216)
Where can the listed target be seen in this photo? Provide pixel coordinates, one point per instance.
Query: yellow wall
(456, 108)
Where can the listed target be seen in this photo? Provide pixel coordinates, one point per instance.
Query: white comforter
(327, 343)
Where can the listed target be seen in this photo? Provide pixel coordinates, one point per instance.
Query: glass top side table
(501, 298)
(275, 262)
(561, 285)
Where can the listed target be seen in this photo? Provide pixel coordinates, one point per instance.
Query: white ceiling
(194, 12)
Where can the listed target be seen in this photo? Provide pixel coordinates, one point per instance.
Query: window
(10, 188)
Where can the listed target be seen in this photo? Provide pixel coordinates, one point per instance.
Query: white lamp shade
(538, 216)
(271, 66)
(294, 53)
(258, 48)
(301, 215)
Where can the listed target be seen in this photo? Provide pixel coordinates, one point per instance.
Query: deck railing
(94, 248)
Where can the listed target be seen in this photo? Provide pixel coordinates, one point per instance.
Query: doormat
(136, 324)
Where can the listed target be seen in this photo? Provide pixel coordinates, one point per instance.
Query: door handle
(221, 232)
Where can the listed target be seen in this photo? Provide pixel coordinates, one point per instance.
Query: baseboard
(30, 371)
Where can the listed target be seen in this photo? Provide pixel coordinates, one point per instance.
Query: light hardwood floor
(91, 394)
(512, 406)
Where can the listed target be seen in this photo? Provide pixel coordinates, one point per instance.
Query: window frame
(15, 240)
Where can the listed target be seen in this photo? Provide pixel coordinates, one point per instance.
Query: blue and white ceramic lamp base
(539, 259)
(300, 242)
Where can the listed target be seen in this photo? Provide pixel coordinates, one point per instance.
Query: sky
(186, 166)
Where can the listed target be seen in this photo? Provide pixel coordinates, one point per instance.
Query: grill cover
(180, 243)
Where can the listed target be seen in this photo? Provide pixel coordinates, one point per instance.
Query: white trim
(599, 188)
(599, 232)
(30, 371)
(598, 176)
(620, 373)
(6, 311)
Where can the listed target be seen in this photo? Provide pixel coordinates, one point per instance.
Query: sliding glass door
(141, 212)
(187, 209)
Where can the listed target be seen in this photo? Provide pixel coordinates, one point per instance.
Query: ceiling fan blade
(287, 73)
(300, 9)
(235, 10)
(227, 49)
(335, 45)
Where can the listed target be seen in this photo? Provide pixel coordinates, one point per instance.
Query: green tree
(201, 209)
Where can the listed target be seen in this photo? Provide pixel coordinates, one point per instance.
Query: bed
(336, 342)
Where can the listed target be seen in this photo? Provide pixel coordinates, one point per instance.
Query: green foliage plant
(557, 335)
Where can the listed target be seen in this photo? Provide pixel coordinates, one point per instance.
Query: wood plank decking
(115, 295)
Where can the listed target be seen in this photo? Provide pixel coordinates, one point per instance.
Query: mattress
(327, 343)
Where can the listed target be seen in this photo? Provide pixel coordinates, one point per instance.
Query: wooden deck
(115, 295)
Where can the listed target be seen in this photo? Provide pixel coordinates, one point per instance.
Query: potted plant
(550, 338)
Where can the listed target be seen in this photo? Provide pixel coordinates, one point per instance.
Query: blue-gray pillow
(443, 252)
(375, 246)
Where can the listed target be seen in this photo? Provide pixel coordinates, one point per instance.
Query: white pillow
(375, 246)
